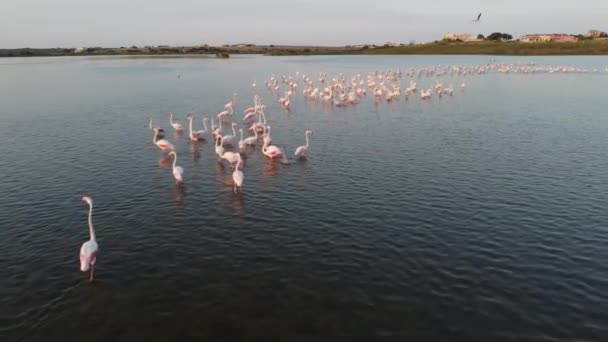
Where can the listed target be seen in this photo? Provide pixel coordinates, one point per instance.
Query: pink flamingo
(178, 171)
(249, 113)
(228, 139)
(88, 251)
(271, 151)
(196, 135)
(162, 143)
(248, 141)
(219, 150)
(301, 151)
(224, 115)
(155, 128)
(217, 132)
(237, 175)
(231, 104)
(178, 127)
(231, 157)
(259, 126)
(266, 135)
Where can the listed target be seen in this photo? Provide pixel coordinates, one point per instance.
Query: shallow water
(476, 216)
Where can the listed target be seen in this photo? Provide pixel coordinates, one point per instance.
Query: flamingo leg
(92, 270)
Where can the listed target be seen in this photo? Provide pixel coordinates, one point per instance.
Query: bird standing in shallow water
(88, 251)
(178, 171)
(303, 150)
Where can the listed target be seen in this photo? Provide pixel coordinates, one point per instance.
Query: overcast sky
(112, 23)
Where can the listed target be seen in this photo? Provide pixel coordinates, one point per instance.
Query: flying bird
(478, 17)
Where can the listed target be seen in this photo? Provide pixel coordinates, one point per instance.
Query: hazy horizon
(71, 23)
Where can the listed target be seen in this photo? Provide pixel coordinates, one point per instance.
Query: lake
(477, 216)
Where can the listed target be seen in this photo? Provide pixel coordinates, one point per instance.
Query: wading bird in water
(176, 126)
(88, 251)
(272, 152)
(162, 143)
(155, 128)
(178, 171)
(302, 150)
(237, 175)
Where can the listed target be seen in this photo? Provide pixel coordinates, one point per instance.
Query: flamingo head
(308, 131)
(172, 153)
(234, 125)
(88, 200)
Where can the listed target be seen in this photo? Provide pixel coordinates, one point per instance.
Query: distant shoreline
(581, 48)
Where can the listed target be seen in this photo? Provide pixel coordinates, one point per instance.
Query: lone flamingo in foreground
(162, 143)
(88, 251)
(177, 126)
(237, 175)
(303, 150)
(178, 171)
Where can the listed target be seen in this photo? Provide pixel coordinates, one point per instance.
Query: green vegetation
(485, 47)
(99, 51)
(588, 47)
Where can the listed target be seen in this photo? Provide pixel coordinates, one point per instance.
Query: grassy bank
(586, 47)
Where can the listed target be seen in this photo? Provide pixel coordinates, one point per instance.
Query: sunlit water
(480, 216)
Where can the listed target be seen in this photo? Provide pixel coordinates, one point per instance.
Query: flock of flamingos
(339, 91)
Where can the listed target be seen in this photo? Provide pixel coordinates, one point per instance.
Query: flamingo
(237, 175)
(249, 113)
(178, 127)
(271, 151)
(259, 126)
(88, 251)
(266, 135)
(248, 141)
(217, 131)
(162, 143)
(178, 171)
(227, 139)
(303, 150)
(219, 150)
(155, 128)
(231, 104)
(223, 115)
(196, 135)
(231, 157)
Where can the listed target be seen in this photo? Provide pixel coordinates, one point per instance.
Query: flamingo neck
(155, 135)
(306, 139)
(190, 127)
(150, 123)
(171, 118)
(91, 230)
(174, 159)
(241, 134)
(233, 131)
(205, 124)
